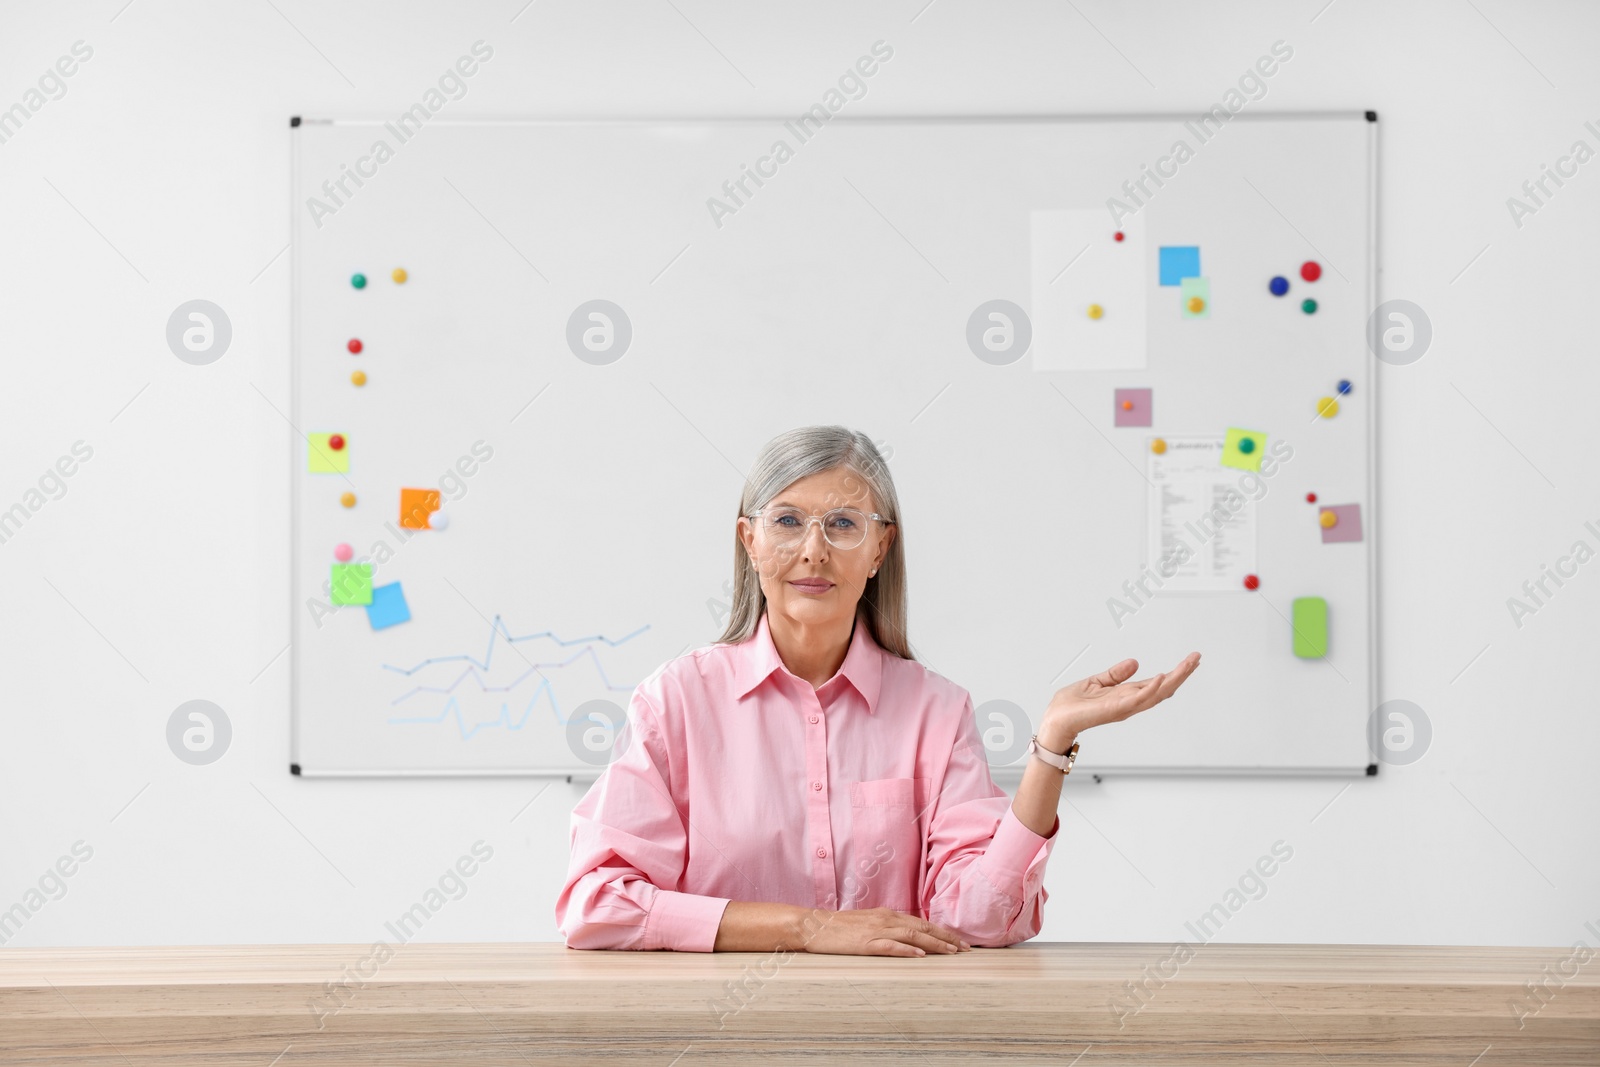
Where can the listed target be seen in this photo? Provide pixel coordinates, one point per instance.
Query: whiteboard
(591, 493)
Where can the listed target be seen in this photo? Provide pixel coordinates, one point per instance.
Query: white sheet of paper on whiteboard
(1201, 523)
(1077, 263)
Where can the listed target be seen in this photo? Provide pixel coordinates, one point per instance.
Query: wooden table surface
(1044, 1003)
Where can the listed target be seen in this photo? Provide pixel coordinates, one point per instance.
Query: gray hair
(800, 453)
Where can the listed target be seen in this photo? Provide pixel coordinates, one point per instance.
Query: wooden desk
(505, 1004)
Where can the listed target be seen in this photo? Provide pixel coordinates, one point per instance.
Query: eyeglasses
(843, 527)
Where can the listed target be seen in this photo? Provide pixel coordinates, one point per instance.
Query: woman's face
(844, 571)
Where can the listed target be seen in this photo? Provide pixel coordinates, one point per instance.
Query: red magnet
(1251, 581)
(1311, 498)
(1118, 236)
(1310, 270)
(336, 442)
(355, 345)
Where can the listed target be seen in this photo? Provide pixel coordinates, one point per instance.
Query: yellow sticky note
(1243, 449)
(323, 458)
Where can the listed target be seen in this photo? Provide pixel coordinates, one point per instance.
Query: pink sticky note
(1137, 415)
(1348, 528)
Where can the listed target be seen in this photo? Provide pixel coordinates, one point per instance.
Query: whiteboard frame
(1008, 774)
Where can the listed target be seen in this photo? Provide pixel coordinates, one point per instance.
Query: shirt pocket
(890, 793)
(888, 839)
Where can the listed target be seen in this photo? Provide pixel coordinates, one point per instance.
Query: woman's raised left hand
(1107, 697)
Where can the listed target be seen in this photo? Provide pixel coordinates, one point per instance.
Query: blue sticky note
(388, 607)
(1179, 262)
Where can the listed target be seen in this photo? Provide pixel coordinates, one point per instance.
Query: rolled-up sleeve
(985, 875)
(629, 841)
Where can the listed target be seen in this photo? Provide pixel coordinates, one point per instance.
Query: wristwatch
(1062, 761)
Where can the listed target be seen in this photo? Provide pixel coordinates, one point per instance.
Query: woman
(804, 783)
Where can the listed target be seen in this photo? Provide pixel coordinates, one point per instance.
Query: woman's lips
(812, 587)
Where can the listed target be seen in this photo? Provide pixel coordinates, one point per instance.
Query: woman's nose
(818, 545)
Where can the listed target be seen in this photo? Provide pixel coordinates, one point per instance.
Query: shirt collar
(758, 657)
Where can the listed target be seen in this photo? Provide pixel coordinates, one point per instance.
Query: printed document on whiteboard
(1201, 526)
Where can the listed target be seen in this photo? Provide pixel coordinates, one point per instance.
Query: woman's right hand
(876, 932)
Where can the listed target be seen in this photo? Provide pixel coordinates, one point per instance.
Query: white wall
(161, 175)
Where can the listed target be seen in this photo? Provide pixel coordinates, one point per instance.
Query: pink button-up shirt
(739, 781)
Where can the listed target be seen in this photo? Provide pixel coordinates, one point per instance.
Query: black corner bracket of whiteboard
(294, 120)
(1372, 116)
(294, 769)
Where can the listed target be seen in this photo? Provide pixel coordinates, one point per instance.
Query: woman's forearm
(749, 926)
(1039, 795)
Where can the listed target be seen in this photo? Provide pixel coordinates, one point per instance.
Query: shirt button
(816, 785)
(813, 718)
(822, 852)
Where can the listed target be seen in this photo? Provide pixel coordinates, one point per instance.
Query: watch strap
(1062, 761)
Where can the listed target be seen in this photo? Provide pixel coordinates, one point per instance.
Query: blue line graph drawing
(499, 633)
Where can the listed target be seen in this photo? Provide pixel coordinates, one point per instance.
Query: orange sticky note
(415, 507)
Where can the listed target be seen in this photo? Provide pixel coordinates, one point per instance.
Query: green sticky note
(351, 583)
(323, 458)
(1190, 288)
(1236, 453)
(1309, 615)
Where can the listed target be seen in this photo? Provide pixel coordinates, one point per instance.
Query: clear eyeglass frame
(799, 534)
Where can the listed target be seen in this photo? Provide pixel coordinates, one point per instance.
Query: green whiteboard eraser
(1309, 620)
